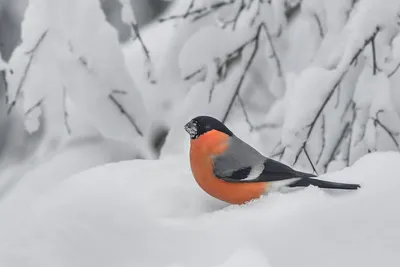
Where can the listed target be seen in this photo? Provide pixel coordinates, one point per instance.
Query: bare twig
(37, 104)
(199, 12)
(229, 56)
(117, 91)
(338, 97)
(394, 70)
(319, 24)
(145, 50)
(280, 152)
(265, 126)
(342, 136)
(246, 115)
(312, 124)
(235, 19)
(3, 75)
(329, 96)
(254, 40)
(66, 115)
(349, 104)
(353, 118)
(37, 44)
(122, 110)
(31, 53)
(190, 76)
(323, 129)
(391, 134)
(366, 42)
(211, 91)
(191, 5)
(374, 56)
(274, 53)
(253, 20)
(309, 160)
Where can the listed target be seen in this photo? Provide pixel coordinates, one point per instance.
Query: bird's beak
(191, 129)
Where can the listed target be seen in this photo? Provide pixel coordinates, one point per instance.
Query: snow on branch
(78, 61)
(125, 113)
(31, 53)
(197, 13)
(128, 17)
(319, 79)
(255, 42)
(327, 83)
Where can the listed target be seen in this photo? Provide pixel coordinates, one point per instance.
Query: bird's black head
(203, 124)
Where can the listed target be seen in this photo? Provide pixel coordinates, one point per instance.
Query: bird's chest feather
(202, 150)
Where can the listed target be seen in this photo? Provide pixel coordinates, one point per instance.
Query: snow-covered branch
(31, 53)
(200, 12)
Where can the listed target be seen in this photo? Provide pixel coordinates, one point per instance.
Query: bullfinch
(229, 169)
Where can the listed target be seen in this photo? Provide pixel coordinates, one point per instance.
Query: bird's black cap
(202, 124)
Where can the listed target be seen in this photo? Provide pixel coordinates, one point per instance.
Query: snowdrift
(151, 213)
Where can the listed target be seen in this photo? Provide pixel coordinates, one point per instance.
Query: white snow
(69, 50)
(313, 83)
(151, 213)
(207, 44)
(92, 202)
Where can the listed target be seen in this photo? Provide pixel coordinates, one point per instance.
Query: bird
(227, 168)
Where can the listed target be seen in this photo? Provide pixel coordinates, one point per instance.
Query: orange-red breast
(227, 168)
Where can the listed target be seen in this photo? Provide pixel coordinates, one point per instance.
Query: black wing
(272, 170)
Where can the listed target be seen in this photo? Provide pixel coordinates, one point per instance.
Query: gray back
(239, 155)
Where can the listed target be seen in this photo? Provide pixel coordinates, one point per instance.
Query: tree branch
(255, 39)
(235, 19)
(386, 129)
(37, 104)
(3, 75)
(122, 110)
(200, 12)
(66, 115)
(246, 115)
(319, 25)
(31, 53)
(145, 50)
(329, 96)
(265, 126)
(374, 56)
(323, 140)
(309, 160)
(337, 145)
(394, 70)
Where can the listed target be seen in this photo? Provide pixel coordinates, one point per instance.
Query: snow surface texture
(151, 213)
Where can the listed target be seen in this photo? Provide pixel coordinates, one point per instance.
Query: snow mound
(152, 213)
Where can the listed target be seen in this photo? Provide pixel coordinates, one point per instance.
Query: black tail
(307, 181)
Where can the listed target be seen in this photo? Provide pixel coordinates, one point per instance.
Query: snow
(125, 213)
(99, 200)
(79, 59)
(207, 44)
(313, 83)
